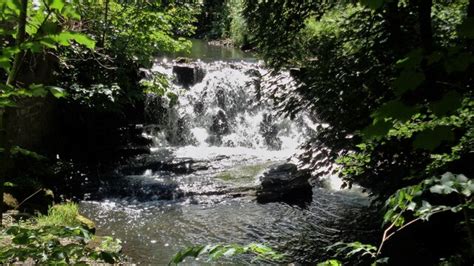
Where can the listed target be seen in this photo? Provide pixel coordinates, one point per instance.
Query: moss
(245, 172)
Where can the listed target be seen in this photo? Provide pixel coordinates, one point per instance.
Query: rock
(269, 131)
(284, 182)
(220, 124)
(183, 60)
(188, 74)
(86, 223)
(9, 201)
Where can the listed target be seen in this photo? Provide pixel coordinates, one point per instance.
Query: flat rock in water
(284, 182)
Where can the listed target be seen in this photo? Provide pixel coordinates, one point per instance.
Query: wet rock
(220, 124)
(253, 73)
(284, 182)
(188, 74)
(221, 99)
(199, 108)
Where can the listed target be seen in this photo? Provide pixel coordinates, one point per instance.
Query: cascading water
(196, 186)
(225, 109)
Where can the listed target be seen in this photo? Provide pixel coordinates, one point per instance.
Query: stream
(196, 182)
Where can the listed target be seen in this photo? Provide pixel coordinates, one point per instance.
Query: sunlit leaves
(413, 198)
(65, 38)
(330, 263)
(54, 245)
(215, 252)
(352, 249)
(10, 95)
(56, 4)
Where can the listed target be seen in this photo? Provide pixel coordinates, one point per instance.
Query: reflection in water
(208, 53)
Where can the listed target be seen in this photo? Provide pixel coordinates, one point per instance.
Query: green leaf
(14, 5)
(9, 184)
(430, 139)
(394, 109)
(330, 263)
(459, 63)
(188, 252)
(448, 104)
(37, 90)
(408, 80)
(411, 61)
(466, 29)
(56, 4)
(377, 130)
(84, 40)
(27, 153)
(372, 4)
(57, 92)
(69, 12)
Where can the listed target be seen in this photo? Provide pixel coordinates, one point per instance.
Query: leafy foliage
(392, 83)
(413, 198)
(56, 238)
(54, 245)
(216, 252)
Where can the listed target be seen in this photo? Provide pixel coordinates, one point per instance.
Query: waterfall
(221, 104)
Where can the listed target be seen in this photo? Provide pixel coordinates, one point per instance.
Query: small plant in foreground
(216, 252)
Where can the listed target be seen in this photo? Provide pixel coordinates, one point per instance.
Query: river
(208, 151)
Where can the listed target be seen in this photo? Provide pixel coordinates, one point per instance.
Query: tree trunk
(392, 16)
(470, 9)
(426, 30)
(106, 23)
(5, 162)
(11, 80)
(20, 38)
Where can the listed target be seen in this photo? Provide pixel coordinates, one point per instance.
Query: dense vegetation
(88, 54)
(392, 80)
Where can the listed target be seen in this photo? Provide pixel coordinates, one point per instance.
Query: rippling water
(154, 231)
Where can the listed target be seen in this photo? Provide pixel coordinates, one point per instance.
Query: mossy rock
(86, 223)
(9, 201)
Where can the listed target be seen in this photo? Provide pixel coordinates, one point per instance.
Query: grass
(60, 215)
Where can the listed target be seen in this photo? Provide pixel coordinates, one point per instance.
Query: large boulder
(188, 74)
(284, 182)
